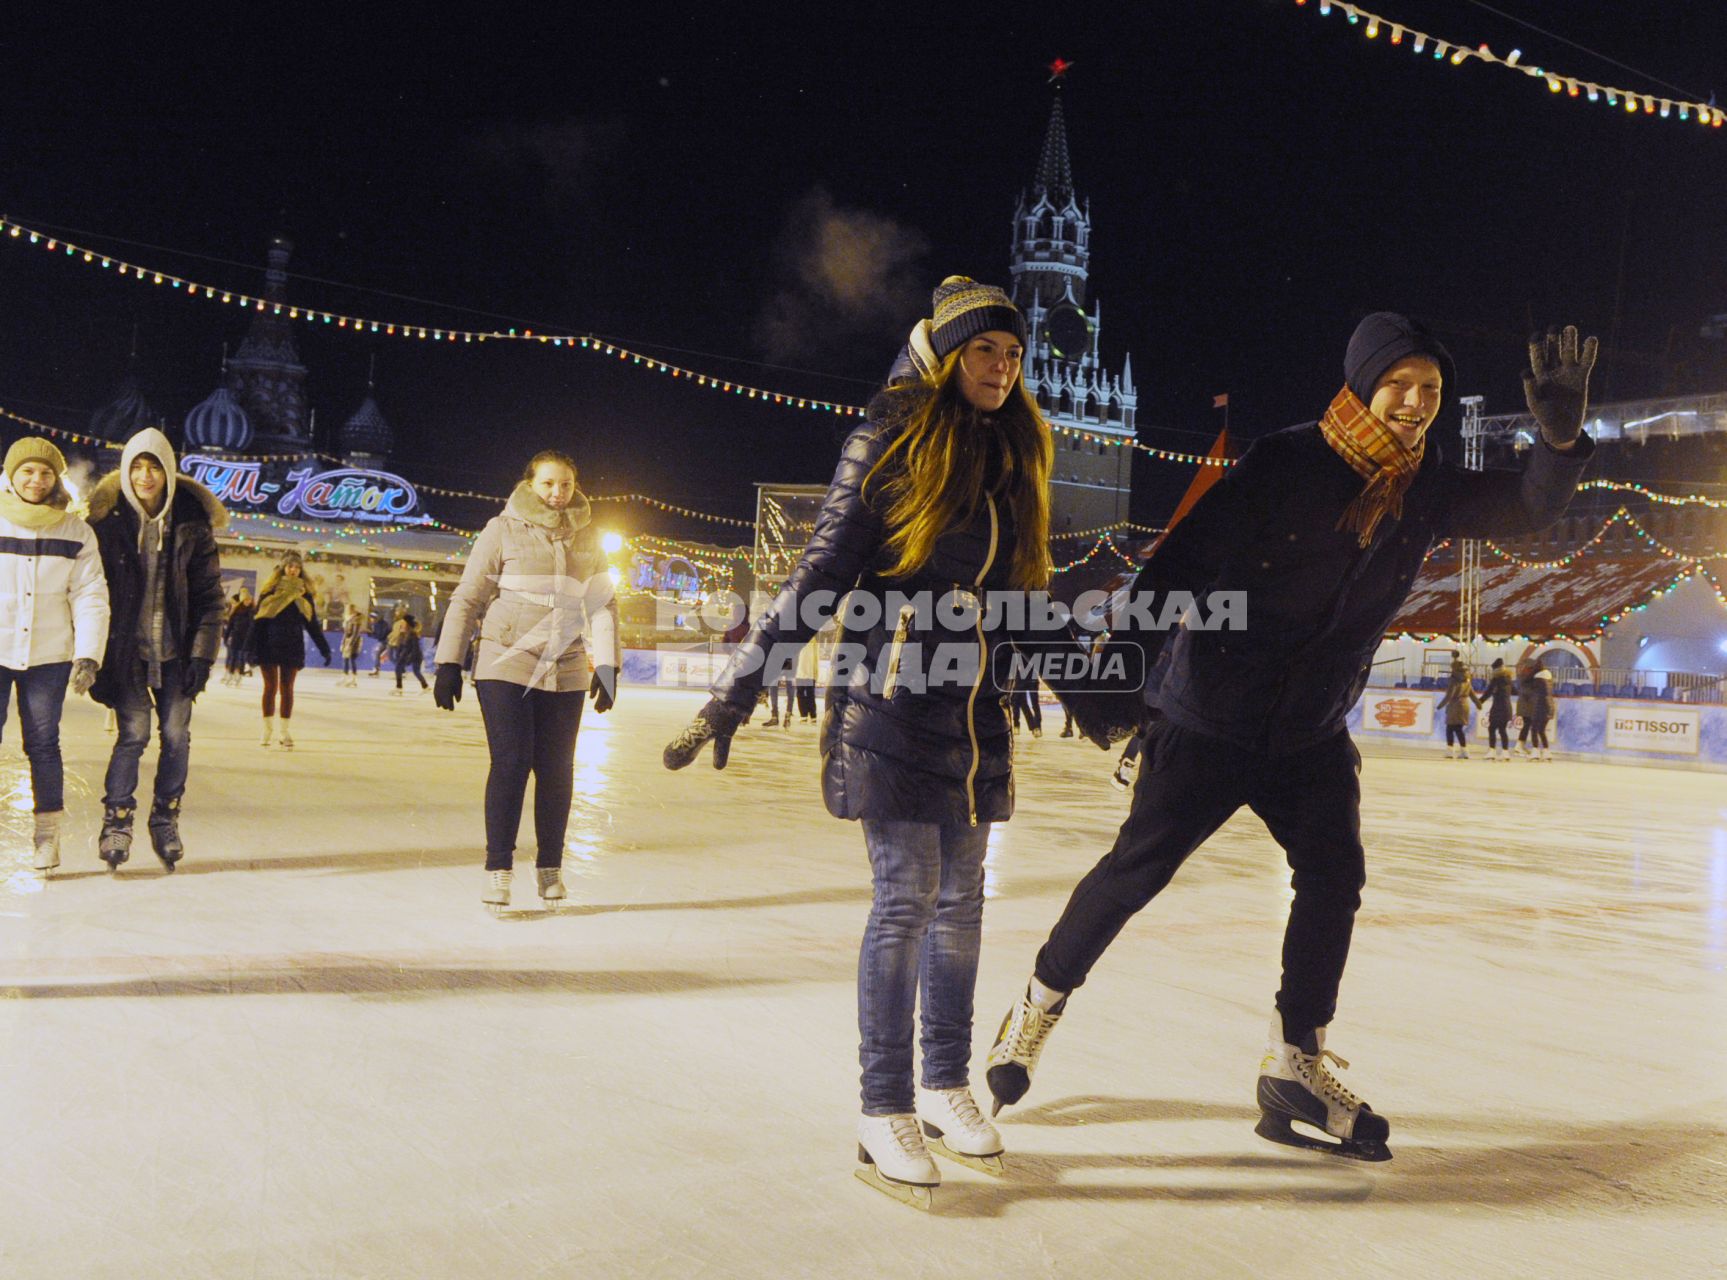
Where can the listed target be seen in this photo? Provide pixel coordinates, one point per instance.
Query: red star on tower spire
(1059, 68)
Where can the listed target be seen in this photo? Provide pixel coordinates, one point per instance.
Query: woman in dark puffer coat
(943, 493)
(285, 616)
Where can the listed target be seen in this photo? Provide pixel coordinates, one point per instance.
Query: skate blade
(1277, 1129)
(906, 1193)
(992, 1165)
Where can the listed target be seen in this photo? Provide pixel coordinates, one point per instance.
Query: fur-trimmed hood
(526, 505)
(192, 501)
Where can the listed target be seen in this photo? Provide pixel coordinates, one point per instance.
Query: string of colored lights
(705, 557)
(1608, 619)
(1099, 545)
(576, 341)
(1665, 499)
(1106, 528)
(1621, 516)
(417, 332)
(1652, 540)
(352, 531)
(442, 491)
(1714, 583)
(1563, 560)
(1636, 103)
(675, 510)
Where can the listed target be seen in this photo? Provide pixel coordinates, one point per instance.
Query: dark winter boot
(115, 844)
(165, 831)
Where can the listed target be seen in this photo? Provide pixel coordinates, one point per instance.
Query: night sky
(692, 180)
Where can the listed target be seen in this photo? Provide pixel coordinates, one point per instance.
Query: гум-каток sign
(344, 493)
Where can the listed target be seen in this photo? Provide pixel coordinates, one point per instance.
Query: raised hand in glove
(447, 685)
(1556, 384)
(716, 722)
(197, 676)
(84, 675)
(603, 690)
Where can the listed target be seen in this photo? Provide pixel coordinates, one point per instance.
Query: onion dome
(125, 415)
(218, 423)
(367, 431)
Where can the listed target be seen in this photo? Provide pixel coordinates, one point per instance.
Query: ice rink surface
(312, 1053)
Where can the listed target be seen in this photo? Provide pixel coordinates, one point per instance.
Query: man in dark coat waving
(1324, 527)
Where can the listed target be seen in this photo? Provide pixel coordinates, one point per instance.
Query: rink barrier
(1606, 730)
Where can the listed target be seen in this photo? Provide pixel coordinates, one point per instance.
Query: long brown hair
(933, 475)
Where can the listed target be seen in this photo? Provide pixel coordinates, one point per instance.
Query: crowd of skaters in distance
(127, 606)
(1528, 698)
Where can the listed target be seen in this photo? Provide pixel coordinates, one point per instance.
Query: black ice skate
(1296, 1089)
(165, 831)
(1018, 1045)
(114, 845)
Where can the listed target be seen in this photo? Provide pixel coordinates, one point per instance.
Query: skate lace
(904, 1132)
(1028, 1034)
(964, 1108)
(1329, 1085)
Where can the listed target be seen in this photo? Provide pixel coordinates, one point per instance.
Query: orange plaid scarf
(1377, 455)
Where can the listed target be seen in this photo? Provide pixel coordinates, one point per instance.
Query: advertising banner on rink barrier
(1408, 713)
(1646, 726)
(1608, 731)
(687, 669)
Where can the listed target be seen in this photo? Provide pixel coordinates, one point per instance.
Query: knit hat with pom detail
(963, 308)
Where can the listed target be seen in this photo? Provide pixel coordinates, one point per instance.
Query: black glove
(447, 685)
(603, 691)
(1557, 384)
(83, 676)
(1106, 719)
(197, 676)
(716, 721)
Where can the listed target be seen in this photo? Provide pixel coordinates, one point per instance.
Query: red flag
(1207, 477)
(1220, 402)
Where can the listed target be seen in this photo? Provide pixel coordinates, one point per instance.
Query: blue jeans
(132, 709)
(924, 928)
(41, 695)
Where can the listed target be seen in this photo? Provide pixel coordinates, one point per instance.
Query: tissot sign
(300, 489)
(1673, 731)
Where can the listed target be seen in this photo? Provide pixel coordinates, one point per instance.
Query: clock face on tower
(1068, 332)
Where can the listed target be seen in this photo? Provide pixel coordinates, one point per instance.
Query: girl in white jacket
(537, 587)
(53, 619)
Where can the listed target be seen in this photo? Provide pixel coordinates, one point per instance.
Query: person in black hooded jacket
(941, 495)
(155, 531)
(1323, 529)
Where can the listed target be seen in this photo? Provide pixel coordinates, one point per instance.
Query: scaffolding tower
(1469, 549)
